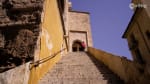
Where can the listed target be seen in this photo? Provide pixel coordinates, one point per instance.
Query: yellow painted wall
(51, 40)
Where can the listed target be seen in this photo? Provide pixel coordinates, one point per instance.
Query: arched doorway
(77, 46)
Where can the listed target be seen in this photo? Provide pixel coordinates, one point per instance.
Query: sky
(109, 19)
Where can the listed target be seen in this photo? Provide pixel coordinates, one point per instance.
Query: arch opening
(78, 46)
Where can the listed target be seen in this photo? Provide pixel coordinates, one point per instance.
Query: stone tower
(79, 30)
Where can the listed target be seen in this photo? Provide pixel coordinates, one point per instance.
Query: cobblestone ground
(80, 68)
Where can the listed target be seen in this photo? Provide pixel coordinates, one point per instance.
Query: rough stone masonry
(19, 30)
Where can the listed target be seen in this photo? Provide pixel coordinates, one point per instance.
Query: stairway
(80, 68)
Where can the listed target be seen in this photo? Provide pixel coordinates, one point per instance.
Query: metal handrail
(38, 62)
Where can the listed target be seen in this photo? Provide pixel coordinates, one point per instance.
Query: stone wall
(74, 36)
(19, 75)
(123, 67)
(79, 22)
(19, 30)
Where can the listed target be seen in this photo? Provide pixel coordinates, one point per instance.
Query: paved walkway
(80, 68)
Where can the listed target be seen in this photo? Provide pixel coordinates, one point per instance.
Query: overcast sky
(109, 19)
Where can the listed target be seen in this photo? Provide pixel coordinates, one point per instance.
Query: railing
(38, 62)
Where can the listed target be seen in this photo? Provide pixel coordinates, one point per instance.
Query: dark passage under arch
(77, 46)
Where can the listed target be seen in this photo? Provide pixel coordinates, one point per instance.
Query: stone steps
(80, 68)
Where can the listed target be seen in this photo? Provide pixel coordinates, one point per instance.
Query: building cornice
(135, 15)
(79, 11)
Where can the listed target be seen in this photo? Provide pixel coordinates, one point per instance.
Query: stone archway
(77, 46)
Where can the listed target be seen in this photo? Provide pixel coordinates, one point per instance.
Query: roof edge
(132, 19)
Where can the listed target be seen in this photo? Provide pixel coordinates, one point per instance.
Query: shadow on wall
(129, 71)
(7, 61)
(106, 72)
(18, 48)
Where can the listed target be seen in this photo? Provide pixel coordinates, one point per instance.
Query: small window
(139, 56)
(134, 42)
(133, 39)
(148, 34)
